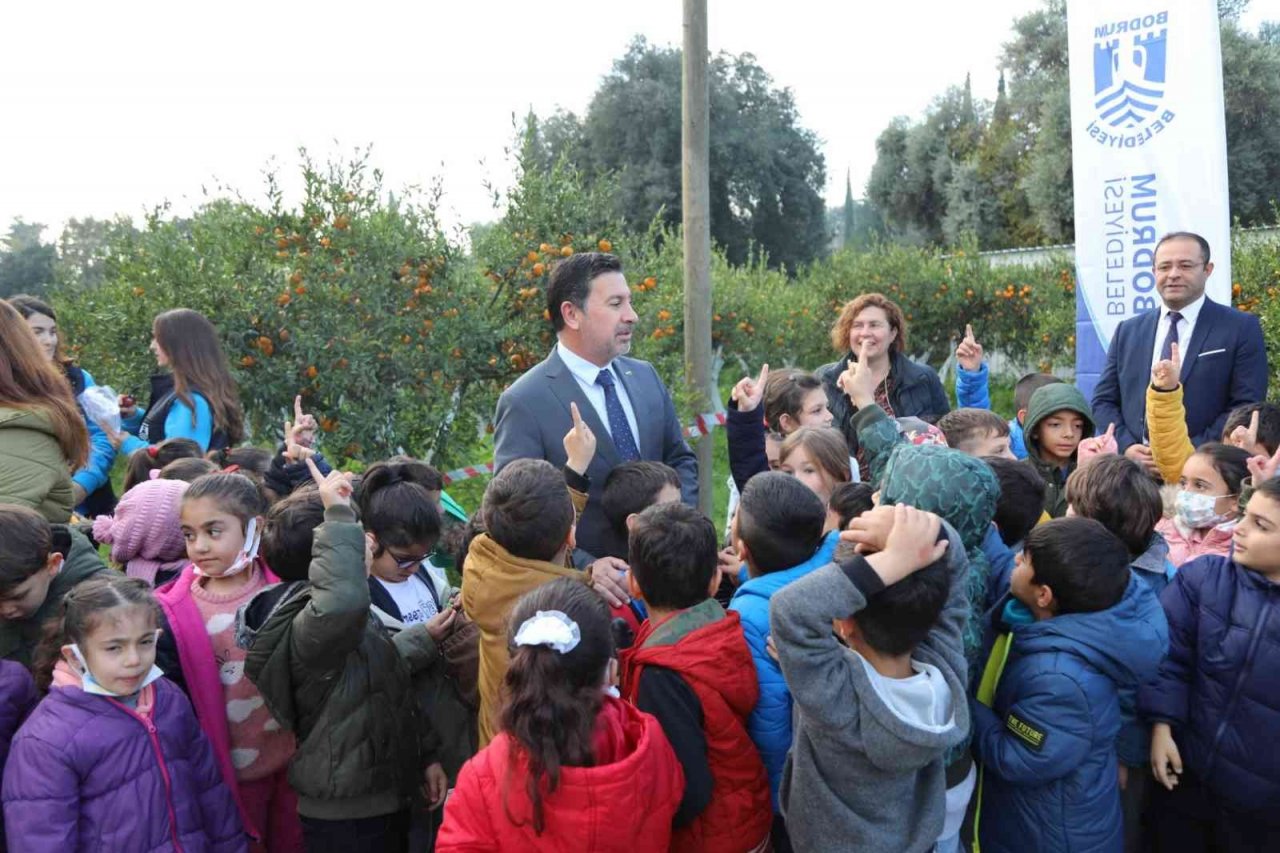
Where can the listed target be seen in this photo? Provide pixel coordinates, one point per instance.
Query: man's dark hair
(28, 541)
(780, 520)
(899, 617)
(1085, 565)
(1268, 423)
(1021, 497)
(571, 281)
(962, 426)
(288, 533)
(673, 555)
(850, 500)
(632, 487)
(1117, 492)
(1184, 235)
(1029, 384)
(527, 509)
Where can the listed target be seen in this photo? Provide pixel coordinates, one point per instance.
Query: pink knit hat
(145, 534)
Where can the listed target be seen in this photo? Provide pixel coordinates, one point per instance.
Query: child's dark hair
(28, 541)
(188, 470)
(234, 494)
(1029, 384)
(962, 426)
(552, 698)
(250, 461)
(1268, 423)
(81, 612)
(396, 507)
(527, 510)
(784, 393)
(1085, 565)
(850, 500)
(1116, 491)
(631, 488)
(147, 459)
(673, 553)
(1231, 463)
(1270, 488)
(288, 532)
(899, 617)
(1021, 500)
(780, 520)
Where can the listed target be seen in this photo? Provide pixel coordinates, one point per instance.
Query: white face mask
(90, 684)
(1196, 510)
(250, 553)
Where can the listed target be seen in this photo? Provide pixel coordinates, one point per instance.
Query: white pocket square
(1210, 352)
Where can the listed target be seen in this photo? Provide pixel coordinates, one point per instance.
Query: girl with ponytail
(573, 767)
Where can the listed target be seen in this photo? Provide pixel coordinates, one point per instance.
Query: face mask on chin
(89, 684)
(252, 541)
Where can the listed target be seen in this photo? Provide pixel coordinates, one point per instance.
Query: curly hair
(844, 323)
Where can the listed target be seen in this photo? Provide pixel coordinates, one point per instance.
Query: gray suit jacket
(533, 417)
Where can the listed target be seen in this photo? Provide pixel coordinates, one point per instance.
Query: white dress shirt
(1186, 326)
(586, 372)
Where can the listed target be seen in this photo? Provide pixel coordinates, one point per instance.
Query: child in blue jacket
(1075, 630)
(1216, 700)
(973, 389)
(778, 534)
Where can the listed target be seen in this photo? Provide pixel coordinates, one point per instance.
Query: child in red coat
(572, 768)
(691, 667)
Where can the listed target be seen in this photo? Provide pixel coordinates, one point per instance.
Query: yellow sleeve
(1167, 425)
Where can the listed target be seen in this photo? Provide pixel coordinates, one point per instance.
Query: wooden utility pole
(695, 145)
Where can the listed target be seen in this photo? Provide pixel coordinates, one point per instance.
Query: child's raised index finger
(1174, 355)
(577, 416)
(968, 332)
(1253, 427)
(315, 472)
(764, 375)
(297, 408)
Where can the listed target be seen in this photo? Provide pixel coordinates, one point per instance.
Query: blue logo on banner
(1129, 73)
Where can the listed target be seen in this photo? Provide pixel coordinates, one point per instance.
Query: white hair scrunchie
(550, 628)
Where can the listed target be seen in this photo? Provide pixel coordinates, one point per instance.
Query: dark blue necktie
(618, 426)
(1166, 350)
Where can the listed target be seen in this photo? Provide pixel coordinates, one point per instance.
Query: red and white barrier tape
(702, 425)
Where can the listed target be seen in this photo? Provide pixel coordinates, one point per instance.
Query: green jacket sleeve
(417, 648)
(332, 623)
(878, 435)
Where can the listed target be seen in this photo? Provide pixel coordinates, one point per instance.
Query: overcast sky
(111, 111)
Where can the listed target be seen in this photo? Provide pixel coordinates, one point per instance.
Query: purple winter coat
(17, 698)
(85, 773)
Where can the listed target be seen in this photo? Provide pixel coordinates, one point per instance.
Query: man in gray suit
(621, 399)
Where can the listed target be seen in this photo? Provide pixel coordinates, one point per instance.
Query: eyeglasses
(1183, 266)
(406, 562)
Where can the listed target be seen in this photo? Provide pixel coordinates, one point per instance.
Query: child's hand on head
(857, 381)
(1164, 376)
(911, 545)
(579, 443)
(869, 532)
(335, 489)
(969, 353)
(749, 392)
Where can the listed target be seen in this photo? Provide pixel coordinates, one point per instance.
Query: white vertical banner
(1149, 154)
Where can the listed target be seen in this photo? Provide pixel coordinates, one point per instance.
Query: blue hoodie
(1048, 742)
(973, 392)
(770, 722)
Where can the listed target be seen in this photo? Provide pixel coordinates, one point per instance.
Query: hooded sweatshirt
(867, 768)
(770, 721)
(622, 802)
(1044, 402)
(492, 581)
(1047, 743)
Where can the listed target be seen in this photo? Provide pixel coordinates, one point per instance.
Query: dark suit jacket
(533, 417)
(1224, 365)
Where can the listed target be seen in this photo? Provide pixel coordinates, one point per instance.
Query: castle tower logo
(1130, 60)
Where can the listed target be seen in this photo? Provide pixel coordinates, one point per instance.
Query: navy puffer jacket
(1219, 687)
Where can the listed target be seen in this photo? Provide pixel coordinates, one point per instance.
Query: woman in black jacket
(872, 327)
